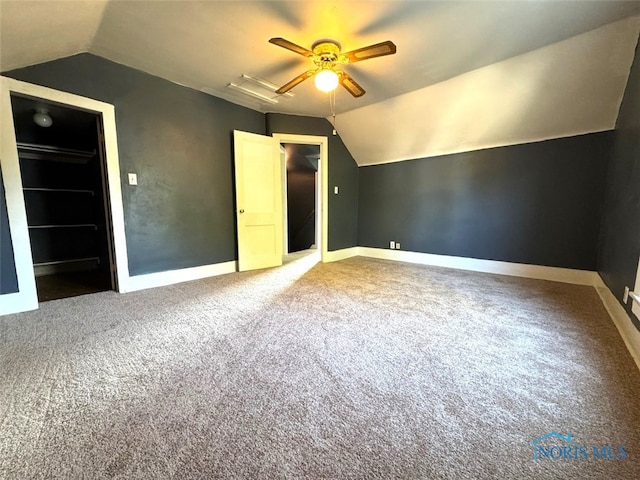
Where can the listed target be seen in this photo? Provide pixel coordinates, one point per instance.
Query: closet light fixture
(42, 118)
(326, 80)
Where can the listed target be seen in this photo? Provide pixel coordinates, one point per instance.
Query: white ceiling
(443, 47)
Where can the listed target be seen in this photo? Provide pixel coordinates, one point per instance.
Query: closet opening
(64, 182)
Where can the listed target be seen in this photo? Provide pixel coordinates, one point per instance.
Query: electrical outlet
(392, 244)
(397, 245)
(625, 297)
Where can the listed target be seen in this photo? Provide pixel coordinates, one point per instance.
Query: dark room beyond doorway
(302, 183)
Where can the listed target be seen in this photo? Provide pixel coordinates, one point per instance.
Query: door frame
(635, 307)
(317, 240)
(323, 184)
(26, 298)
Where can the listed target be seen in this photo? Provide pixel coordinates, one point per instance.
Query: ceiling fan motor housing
(327, 53)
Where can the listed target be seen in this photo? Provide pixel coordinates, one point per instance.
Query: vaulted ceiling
(466, 75)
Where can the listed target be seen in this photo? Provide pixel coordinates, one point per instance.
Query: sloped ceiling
(569, 88)
(36, 32)
(467, 75)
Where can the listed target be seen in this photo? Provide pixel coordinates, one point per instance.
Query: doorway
(301, 190)
(21, 295)
(261, 216)
(320, 147)
(63, 171)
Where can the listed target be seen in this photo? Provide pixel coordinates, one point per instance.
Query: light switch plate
(133, 179)
(335, 190)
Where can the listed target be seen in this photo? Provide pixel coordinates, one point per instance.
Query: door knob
(242, 210)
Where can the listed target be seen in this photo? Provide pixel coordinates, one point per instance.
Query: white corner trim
(635, 308)
(540, 272)
(161, 279)
(26, 298)
(16, 303)
(337, 255)
(629, 333)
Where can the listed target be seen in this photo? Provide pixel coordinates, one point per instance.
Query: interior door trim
(323, 184)
(26, 298)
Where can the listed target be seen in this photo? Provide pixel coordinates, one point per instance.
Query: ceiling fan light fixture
(326, 55)
(326, 80)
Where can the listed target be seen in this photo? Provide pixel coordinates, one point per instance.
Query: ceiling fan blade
(281, 42)
(372, 51)
(350, 84)
(296, 81)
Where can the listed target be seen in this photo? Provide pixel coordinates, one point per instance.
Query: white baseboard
(343, 254)
(566, 275)
(161, 279)
(621, 319)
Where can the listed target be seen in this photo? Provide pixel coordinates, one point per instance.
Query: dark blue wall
(537, 203)
(8, 278)
(343, 172)
(620, 242)
(179, 143)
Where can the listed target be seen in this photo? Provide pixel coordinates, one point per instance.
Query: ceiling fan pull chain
(332, 107)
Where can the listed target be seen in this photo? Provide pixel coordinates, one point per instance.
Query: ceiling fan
(325, 55)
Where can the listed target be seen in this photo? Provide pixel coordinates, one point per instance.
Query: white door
(258, 201)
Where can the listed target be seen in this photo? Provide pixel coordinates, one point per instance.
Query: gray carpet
(356, 369)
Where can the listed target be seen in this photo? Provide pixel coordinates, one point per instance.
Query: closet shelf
(70, 260)
(33, 151)
(76, 225)
(62, 190)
